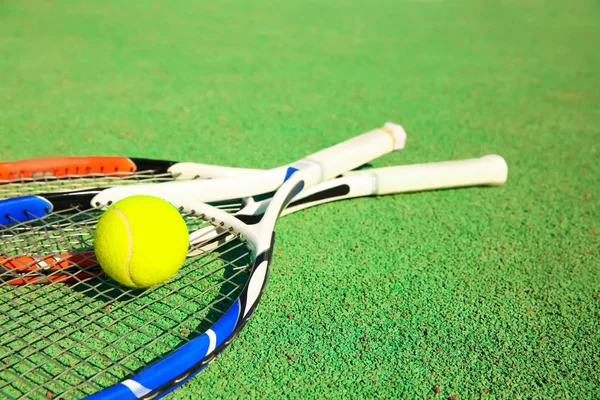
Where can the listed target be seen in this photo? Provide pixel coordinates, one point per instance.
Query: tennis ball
(141, 241)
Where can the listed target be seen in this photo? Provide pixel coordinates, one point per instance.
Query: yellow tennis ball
(141, 241)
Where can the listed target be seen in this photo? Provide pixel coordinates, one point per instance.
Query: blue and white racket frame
(173, 370)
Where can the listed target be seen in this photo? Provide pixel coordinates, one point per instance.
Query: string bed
(79, 331)
(49, 183)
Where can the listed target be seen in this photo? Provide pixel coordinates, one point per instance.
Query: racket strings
(57, 356)
(48, 183)
(83, 335)
(71, 228)
(140, 329)
(36, 246)
(121, 362)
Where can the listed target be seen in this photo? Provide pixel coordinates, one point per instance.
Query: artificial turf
(481, 292)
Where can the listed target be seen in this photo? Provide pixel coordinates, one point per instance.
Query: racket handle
(355, 152)
(332, 161)
(486, 170)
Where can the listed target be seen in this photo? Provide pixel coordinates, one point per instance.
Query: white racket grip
(376, 142)
(355, 152)
(486, 170)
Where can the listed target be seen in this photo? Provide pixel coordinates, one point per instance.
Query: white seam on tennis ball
(130, 245)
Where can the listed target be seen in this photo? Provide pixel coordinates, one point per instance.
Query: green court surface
(480, 292)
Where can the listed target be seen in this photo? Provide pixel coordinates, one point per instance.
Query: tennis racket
(83, 337)
(60, 174)
(487, 170)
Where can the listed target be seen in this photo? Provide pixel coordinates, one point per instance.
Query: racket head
(70, 331)
(59, 174)
(83, 333)
(62, 174)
